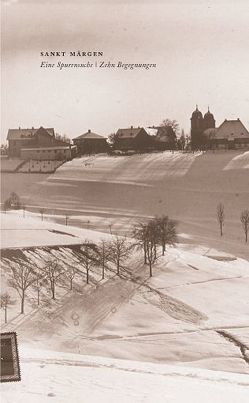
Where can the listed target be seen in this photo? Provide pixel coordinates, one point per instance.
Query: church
(230, 135)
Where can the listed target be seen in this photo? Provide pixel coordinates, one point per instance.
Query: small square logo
(9, 368)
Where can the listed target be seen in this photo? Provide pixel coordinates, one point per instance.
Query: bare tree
(22, 277)
(5, 301)
(6, 205)
(151, 243)
(119, 250)
(70, 274)
(38, 283)
(15, 201)
(112, 138)
(52, 271)
(147, 236)
(139, 233)
(104, 255)
(220, 217)
(42, 211)
(66, 219)
(88, 260)
(166, 231)
(244, 218)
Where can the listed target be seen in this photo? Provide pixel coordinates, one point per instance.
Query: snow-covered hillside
(193, 311)
(61, 378)
(102, 191)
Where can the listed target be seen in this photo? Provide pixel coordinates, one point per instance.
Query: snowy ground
(25, 229)
(100, 191)
(61, 378)
(193, 311)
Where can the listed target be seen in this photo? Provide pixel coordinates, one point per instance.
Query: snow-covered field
(24, 229)
(193, 311)
(59, 377)
(100, 191)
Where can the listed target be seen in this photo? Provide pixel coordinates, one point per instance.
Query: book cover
(125, 200)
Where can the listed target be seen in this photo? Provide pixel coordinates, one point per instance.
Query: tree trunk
(5, 315)
(221, 229)
(38, 296)
(246, 235)
(53, 289)
(22, 303)
(163, 248)
(87, 275)
(150, 263)
(118, 266)
(71, 284)
(103, 271)
(155, 251)
(145, 254)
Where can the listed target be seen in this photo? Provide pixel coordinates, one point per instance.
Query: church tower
(196, 129)
(208, 121)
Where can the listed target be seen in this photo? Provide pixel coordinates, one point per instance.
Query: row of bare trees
(24, 275)
(107, 254)
(244, 218)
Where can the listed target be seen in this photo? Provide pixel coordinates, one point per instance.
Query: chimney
(19, 128)
(89, 130)
(131, 127)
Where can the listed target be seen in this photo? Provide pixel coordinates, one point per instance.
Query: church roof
(208, 115)
(196, 113)
(231, 129)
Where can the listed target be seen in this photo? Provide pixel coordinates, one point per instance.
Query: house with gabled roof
(91, 143)
(38, 144)
(132, 139)
(231, 134)
(23, 138)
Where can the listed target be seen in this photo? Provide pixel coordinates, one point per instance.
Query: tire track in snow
(243, 347)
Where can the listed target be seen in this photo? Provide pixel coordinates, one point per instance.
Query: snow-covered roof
(89, 135)
(131, 132)
(25, 134)
(231, 129)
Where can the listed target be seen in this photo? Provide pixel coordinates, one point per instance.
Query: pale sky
(201, 49)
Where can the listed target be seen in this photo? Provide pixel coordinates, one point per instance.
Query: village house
(132, 139)
(90, 143)
(38, 144)
(231, 134)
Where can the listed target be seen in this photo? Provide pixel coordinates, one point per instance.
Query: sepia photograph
(124, 201)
